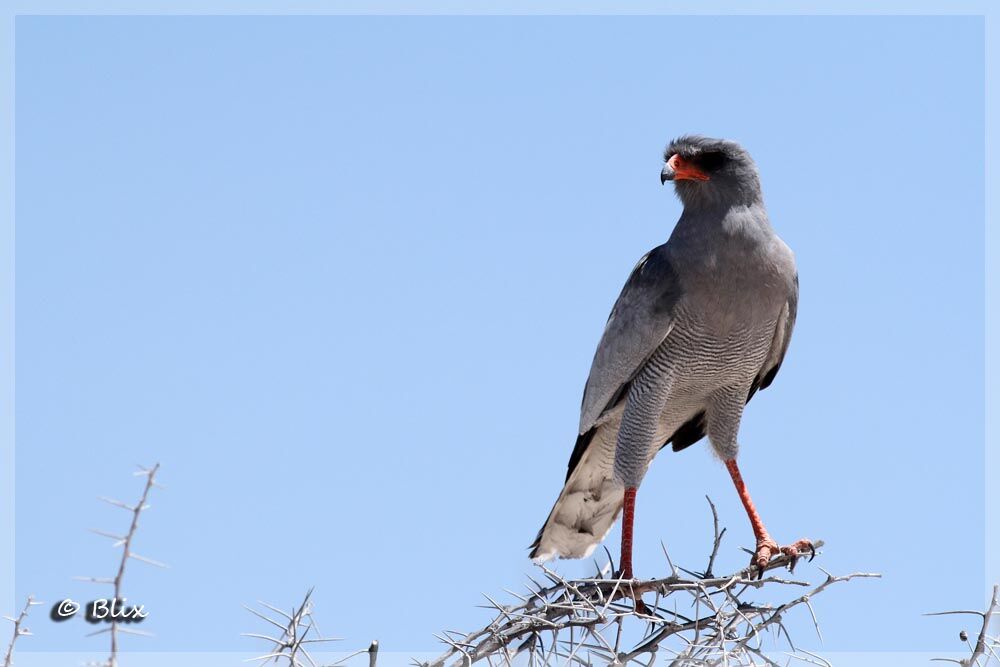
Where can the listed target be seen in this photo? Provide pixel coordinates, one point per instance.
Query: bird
(702, 324)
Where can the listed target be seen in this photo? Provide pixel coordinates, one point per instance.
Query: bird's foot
(768, 549)
(626, 576)
(640, 606)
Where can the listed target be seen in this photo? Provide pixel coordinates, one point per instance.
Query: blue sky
(343, 278)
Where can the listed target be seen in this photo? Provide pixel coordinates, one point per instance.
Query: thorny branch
(125, 541)
(987, 647)
(297, 629)
(595, 620)
(19, 630)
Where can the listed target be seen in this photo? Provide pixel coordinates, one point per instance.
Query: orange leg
(766, 547)
(628, 516)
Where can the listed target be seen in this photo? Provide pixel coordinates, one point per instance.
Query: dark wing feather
(782, 336)
(689, 433)
(582, 442)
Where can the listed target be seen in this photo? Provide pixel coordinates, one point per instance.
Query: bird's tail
(588, 504)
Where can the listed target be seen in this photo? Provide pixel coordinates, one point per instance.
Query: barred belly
(698, 368)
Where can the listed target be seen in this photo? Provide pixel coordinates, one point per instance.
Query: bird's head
(710, 172)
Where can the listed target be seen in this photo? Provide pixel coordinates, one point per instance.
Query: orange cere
(685, 170)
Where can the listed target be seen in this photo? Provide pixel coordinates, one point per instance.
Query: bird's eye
(712, 161)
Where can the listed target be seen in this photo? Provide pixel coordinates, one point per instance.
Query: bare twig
(298, 630)
(718, 538)
(19, 630)
(987, 647)
(125, 541)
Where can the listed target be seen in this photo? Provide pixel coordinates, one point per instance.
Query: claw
(793, 557)
(768, 548)
(640, 606)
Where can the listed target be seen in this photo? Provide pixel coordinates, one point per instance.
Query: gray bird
(702, 323)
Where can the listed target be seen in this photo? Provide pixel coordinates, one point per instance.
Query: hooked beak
(667, 174)
(679, 169)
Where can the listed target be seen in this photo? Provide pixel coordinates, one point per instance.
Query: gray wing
(639, 322)
(782, 336)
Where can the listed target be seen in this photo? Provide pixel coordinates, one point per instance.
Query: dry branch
(19, 629)
(125, 541)
(298, 630)
(987, 647)
(595, 620)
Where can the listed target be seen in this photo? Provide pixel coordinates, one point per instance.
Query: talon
(793, 556)
(798, 549)
(768, 549)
